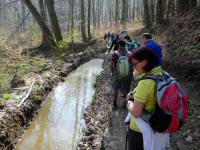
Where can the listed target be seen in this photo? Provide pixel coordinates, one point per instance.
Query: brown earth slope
(182, 43)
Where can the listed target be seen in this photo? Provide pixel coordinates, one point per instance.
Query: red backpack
(172, 104)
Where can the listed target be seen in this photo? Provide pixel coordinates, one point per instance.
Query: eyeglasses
(134, 64)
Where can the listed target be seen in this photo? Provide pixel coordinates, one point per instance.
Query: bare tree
(83, 33)
(124, 11)
(45, 44)
(41, 23)
(152, 10)
(23, 16)
(192, 4)
(89, 16)
(169, 2)
(147, 20)
(54, 20)
(94, 13)
(71, 16)
(159, 12)
(116, 11)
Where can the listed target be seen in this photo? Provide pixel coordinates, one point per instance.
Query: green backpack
(123, 65)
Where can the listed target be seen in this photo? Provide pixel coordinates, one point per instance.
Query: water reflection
(58, 125)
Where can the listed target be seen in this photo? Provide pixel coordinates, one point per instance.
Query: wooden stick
(24, 99)
(21, 88)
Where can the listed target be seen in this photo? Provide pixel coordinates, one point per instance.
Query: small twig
(22, 88)
(24, 99)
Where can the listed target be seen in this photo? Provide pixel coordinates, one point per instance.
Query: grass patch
(37, 98)
(23, 67)
(7, 96)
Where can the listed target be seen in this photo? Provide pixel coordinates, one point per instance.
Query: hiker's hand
(130, 105)
(129, 97)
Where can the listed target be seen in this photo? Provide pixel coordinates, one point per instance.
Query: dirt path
(116, 137)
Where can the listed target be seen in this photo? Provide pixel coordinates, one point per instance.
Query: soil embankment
(181, 42)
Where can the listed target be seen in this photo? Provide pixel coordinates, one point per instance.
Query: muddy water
(59, 122)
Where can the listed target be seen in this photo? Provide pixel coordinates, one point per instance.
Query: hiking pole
(126, 139)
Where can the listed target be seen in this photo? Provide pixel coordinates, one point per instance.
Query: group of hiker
(155, 101)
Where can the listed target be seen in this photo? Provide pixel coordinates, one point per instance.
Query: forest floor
(46, 72)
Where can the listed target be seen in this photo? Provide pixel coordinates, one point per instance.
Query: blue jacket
(156, 48)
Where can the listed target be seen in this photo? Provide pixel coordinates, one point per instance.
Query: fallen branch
(21, 88)
(24, 99)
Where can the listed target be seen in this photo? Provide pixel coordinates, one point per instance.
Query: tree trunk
(168, 9)
(98, 14)
(152, 10)
(45, 44)
(124, 11)
(89, 16)
(83, 33)
(41, 23)
(71, 18)
(192, 4)
(133, 10)
(173, 8)
(23, 16)
(54, 20)
(94, 13)
(159, 12)
(147, 21)
(182, 6)
(116, 11)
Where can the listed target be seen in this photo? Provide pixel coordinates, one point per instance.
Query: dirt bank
(97, 115)
(14, 121)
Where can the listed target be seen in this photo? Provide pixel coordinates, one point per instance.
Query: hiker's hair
(147, 35)
(122, 43)
(145, 53)
(127, 37)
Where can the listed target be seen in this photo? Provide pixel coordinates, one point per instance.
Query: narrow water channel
(59, 122)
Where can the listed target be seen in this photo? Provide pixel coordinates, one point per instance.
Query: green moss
(20, 68)
(37, 98)
(94, 99)
(7, 96)
(98, 79)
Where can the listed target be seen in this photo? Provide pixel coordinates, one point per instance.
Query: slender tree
(94, 13)
(124, 11)
(169, 2)
(159, 12)
(192, 4)
(23, 16)
(71, 16)
(83, 33)
(54, 20)
(182, 6)
(147, 20)
(152, 10)
(89, 16)
(116, 11)
(45, 44)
